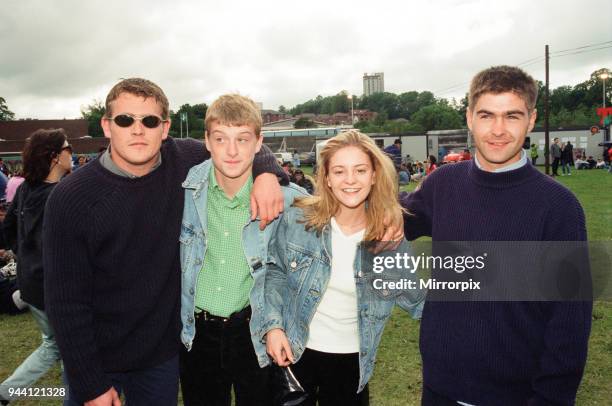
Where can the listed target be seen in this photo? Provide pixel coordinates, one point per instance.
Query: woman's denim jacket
(193, 248)
(298, 270)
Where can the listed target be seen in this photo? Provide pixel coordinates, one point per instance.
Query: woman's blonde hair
(382, 202)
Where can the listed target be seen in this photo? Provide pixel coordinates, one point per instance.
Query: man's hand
(277, 347)
(267, 199)
(393, 236)
(108, 398)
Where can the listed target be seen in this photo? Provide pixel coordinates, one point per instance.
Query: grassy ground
(397, 378)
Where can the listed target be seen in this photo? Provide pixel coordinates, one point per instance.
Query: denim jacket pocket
(186, 240)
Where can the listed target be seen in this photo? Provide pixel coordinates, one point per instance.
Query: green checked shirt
(224, 282)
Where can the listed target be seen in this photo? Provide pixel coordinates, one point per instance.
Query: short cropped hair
(502, 79)
(138, 87)
(234, 110)
(40, 148)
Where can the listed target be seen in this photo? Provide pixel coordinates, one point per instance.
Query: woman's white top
(334, 327)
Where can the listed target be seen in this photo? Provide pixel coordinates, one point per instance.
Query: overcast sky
(57, 56)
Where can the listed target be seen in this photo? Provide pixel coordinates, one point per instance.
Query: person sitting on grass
(301, 180)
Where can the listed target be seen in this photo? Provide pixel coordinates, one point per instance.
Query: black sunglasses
(126, 120)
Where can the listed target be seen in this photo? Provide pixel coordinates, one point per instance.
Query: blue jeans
(155, 386)
(566, 167)
(39, 362)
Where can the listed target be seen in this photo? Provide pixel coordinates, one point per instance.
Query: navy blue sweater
(500, 353)
(112, 268)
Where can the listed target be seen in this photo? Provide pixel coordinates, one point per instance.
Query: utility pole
(187, 124)
(546, 117)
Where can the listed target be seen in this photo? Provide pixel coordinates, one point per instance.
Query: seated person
(591, 162)
(403, 175)
(301, 180)
(581, 164)
(600, 164)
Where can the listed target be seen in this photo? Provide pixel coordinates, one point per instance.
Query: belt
(242, 315)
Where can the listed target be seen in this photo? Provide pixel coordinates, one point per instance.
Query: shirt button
(190, 320)
(198, 262)
(191, 291)
(293, 264)
(360, 274)
(226, 233)
(222, 261)
(219, 289)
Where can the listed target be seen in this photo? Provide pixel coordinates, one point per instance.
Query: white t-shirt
(334, 327)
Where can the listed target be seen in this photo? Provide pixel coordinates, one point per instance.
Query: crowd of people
(168, 262)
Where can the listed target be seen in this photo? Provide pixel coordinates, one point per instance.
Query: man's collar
(107, 162)
(515, 165)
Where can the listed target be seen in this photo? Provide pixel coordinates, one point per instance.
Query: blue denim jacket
(298, 270)
(193, 248)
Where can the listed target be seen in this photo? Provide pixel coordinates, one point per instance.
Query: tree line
(411, 111)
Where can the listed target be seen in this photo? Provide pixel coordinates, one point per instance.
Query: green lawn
(397, 378)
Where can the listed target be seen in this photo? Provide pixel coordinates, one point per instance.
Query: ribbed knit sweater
(500, 353)
(112, 268)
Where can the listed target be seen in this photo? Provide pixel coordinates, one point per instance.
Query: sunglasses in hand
(126, 120)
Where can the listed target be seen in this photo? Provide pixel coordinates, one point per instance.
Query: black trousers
(555, 166)
(331, 379)
(222, 357)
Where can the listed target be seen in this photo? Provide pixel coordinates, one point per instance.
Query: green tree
(194, 119)
(303, 122)
(93, 113)
(439, 116)
(5, 113)
(282, 109)
(200, 110)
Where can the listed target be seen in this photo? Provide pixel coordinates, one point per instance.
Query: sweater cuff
(265, 162)
(89, 386)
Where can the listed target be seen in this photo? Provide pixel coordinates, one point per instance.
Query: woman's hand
(278, 348)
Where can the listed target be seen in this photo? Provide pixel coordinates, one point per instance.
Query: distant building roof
(21, 129)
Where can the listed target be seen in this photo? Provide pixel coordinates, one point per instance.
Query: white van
(283, 157)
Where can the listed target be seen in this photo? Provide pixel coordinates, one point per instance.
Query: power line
(451, 88)
(582, 52)
(538, 59)
(582, 47)
(530, 60)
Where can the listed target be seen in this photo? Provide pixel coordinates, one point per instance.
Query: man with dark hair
(499, 353)
(395, 152)
(113, 278)
(555, 152)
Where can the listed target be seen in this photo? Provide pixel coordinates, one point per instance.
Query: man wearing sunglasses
(113, 278)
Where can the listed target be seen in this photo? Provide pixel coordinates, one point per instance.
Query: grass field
(397, 378)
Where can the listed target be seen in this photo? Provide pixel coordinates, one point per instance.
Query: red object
(452, 157)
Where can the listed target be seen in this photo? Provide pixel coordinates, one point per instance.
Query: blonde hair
(234, 110)
(382, 201)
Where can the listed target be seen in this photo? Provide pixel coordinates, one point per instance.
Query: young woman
(319, 311)
(431, 165)
(47, 157)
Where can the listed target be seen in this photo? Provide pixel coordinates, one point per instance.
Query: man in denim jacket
(223, 254)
